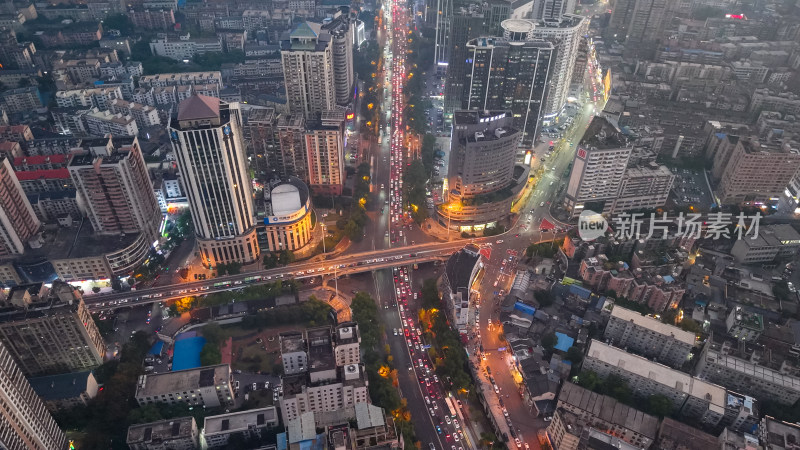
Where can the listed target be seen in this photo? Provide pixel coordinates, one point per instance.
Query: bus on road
(450, 406)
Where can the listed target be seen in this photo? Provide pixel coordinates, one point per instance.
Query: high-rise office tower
(111, 176)
(451, 16)
(638, 21)
(341, 29)
(208, 143)
(308, 70)
(510, 73)
(25, 423)
(598, 168)
(565, 34)
(18, 222)
(482, 177)
(325, 149)
(468, 23)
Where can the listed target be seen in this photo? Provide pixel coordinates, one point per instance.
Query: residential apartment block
(218, 430)
(326, 370)
(752, 371)
(144, 115)
(649, 337)
(566, 34)
(328, 389)
(111, 176)
(342, 28)
(18, 221)
(643, 188)
(325, 142)
(308, 70)
(658, 292)
(184, 47)
(209, 386)
(180, 433)
(25, 423)
(755, 171)
(694, 398)
(181, 79)
(66, 390)
(49, 330)
(580, 408)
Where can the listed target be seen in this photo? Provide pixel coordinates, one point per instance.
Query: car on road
(541, 204)
(499, 241)
(255, 386)
(447, 419)
(518, 442)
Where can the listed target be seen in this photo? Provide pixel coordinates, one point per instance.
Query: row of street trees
(379, 363)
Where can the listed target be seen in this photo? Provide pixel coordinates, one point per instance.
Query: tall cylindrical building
(208, 143)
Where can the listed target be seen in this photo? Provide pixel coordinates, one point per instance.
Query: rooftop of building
(307, 36)
(601, 134)
(755, 362)
(609, 410)
(567, 21)
(346, 333)
(292, 341)
(648, 172)
(182, 380)
(198, 107)
(320, 349)
(61, 386)
(240, 421)
(459, 269)
(752, 146)
(658, 373)
(287, 196)
(261, 115)
(161, 431)
(31, 301)
(302, 428)
(748, 319)
(43, 174)
(474, 117)
(674, 435)
(775, 235)
(653, 324)
(39, 160)
(75, 242)
(779, 434)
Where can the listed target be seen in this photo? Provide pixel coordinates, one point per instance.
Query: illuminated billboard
(607, 85)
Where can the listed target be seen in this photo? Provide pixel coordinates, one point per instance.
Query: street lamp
(324, 251)
(449, 217)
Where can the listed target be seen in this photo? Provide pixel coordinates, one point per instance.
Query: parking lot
(690, 189)
(557, 130)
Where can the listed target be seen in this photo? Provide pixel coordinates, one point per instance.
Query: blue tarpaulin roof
(564, 342)
(187, 353)
(668, 279)
(527, 309)
(157, 348)
(580, 292)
